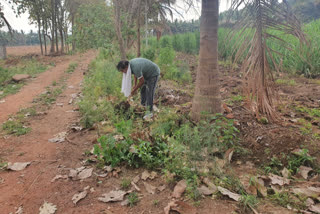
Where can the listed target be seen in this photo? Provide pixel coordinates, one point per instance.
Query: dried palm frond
(260, 17)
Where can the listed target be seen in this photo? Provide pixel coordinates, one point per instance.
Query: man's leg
(151, 88)
(143, 94)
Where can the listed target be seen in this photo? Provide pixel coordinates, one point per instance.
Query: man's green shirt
(144, 67)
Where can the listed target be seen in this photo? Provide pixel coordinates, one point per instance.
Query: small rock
(20, 77)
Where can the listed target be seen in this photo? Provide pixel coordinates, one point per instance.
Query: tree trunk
(207, 92)
(117, 21)
(138, 34)
(3, 51)
(56, 15)
(39, 33)
(72, 32)
(44, 37)
(52, 26)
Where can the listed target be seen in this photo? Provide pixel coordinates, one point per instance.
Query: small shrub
(72, 67)
(149, 54)
(133, 199)
(111, 152)
(125, 184)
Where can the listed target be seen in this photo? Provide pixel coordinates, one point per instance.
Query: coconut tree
(207, 94)
(262, 21)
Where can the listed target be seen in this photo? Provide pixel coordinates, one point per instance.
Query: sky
(22, 22)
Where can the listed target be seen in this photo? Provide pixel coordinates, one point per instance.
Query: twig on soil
(69, 141)
(253, 210)
(33, 182)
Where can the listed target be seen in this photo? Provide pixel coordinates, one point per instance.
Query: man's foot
(148, 116)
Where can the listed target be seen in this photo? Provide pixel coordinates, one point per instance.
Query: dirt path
(24, 98)
(32, 186)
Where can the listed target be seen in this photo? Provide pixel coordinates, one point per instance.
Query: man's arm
(135, 81)
(136, 87)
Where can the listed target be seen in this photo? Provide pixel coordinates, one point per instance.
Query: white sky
(22, 22)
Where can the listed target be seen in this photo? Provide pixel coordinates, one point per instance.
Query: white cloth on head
(126, 82)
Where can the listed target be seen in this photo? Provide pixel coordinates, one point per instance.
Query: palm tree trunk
(207, 92)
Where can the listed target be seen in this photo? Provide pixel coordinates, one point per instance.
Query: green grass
(72, 67)
(285, 82)
(125, 183)
(133, 199)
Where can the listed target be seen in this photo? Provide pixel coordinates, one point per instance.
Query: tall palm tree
(207, 94)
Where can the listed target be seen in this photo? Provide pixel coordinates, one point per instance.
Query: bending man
(146, 75)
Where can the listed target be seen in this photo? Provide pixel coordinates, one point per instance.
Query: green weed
(248, 201)
(133, 199)
(285, 198)
(125, 184)
(15, 128)
(285, 82)
(155, 202)
(301, 159)
(72, 67)
(275, 166)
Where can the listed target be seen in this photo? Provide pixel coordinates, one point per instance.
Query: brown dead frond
(253, 31)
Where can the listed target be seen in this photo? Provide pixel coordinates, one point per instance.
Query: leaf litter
(179, 189)
(113, 196)
(18, 166)
(47, 208)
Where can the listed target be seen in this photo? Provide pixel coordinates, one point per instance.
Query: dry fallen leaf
(312, 192)
(58, 177)
(315, 208)
(179, 189)
(203, 190)
(18, 166)
(170, 205)
(231, 195)
(285, 173)
(304, 171)
(113, 196)
(59, 138)
(73, 173)
(309, 202)
(145, 175)
(86, 173)
(77, 197)
(150, 189)
(19, 210)
(47, 208)
(211, 185)
(136, 179)
(153, 175)
(184, 208)
(277, 180)
(161, 188)
(228, 155)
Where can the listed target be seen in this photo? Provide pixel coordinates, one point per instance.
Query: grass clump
(285, 82)
(133, 199)
(72, 67)
(15, 128)
(125, 184)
